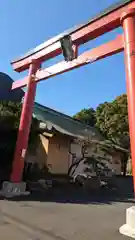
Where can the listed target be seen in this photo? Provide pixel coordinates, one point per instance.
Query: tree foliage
(87, 116)
(112, 120)
(9, 122)
(9, 115)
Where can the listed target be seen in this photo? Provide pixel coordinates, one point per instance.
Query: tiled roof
(64, 123)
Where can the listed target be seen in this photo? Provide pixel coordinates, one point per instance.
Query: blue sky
(25, 24)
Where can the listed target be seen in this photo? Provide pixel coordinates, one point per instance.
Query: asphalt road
(64, 217)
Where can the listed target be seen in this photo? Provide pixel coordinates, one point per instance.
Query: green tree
(112, 120)
(87, 116)
(9, 122)
(9, 115)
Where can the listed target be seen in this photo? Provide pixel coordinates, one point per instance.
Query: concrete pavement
(62, 221)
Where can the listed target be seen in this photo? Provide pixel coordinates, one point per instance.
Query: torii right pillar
(128, 23)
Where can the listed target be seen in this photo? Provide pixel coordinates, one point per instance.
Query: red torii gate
(121, 14)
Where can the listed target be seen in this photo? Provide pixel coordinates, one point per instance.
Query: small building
(57, 131)
(55, 144)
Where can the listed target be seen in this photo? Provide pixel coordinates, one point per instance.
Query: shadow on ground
(77, 195)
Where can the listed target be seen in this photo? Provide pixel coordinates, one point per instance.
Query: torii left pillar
(24, 127)
(16, 186)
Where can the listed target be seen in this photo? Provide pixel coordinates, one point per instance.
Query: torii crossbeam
(121, 14)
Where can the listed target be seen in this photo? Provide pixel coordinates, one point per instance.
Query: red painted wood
(24, 128)
(105, 50)
(85, 34)
(128, 21)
